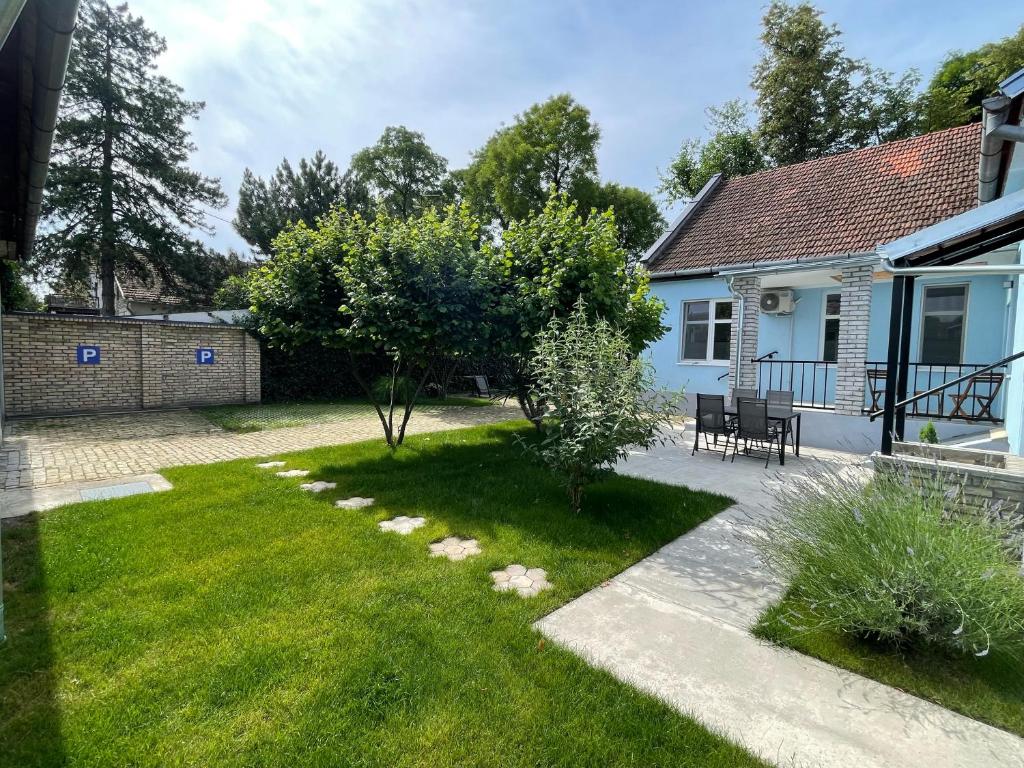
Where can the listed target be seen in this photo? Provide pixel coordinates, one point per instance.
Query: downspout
(995, 113)
(739, 328)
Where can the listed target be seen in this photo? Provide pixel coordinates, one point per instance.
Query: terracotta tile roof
(152, 290)
(833, 206)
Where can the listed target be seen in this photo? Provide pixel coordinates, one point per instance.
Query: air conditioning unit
(779, 302)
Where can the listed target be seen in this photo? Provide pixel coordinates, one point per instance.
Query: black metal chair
(752, 425)
(782, 398)
(744, 394)
(712, 420)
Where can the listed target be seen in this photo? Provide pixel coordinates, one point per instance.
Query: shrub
(895, 563)
(928, 434)
(600, 399)
(405, 388)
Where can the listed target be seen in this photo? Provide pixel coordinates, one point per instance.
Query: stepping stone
(269, 464)
(402, 524)
(527, 582)
(356, 502)
(293, 473)
(317, 486)
(455, 548)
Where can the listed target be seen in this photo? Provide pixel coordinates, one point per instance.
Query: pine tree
(120, 196)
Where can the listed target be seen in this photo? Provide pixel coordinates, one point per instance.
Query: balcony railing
(812, 382)
(975, 398)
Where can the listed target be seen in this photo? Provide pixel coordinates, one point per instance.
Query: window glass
(830, 349)
(696, 310)
(723, 335)
(832, 302)
(695, 341)
(723, 310)
(942, 324)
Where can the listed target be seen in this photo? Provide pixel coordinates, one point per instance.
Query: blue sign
(88, 355)
(204, 356)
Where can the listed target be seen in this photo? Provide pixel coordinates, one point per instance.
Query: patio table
(785, 416)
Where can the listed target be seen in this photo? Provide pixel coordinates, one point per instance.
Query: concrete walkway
(46, 459)
(677, 625)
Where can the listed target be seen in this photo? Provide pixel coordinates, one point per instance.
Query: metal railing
(964, 391)
(812, 382)
(965, 384)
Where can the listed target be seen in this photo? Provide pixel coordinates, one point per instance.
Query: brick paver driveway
(44, 452)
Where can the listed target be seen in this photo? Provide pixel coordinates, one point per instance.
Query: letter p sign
(204, 356)
(88, 354)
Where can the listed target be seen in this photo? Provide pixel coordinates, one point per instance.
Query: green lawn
(990, 689)
(238, 620)
(254, 418)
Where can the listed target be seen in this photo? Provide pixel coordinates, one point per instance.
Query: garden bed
(240, 620)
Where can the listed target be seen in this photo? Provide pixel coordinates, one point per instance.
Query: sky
(283, 78)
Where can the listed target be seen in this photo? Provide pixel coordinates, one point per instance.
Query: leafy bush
(600, 399)
(928, 434)
(896, 563)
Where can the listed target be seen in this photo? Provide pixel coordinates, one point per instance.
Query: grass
(255, 418)
(989, 689)
(238, 620)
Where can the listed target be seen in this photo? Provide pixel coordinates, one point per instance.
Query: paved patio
(677, 625)
(51, 453)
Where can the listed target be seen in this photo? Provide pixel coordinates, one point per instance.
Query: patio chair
(752, 425)
(748, 394)
(712, 420)
(782, 398)
(876, 387)
(980, 393)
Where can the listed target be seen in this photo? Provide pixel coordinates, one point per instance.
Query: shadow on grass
(452, 480)
(30, 732)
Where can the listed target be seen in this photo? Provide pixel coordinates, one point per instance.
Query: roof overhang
(976, 232)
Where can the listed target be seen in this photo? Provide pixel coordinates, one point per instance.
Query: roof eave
(691, 207)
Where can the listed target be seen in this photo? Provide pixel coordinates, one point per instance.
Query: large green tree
(637, 218)
(120, 195)
(803, 85)
(964, 80)
(404, 175)
(266, 207)
(732, 150)
(549, 148)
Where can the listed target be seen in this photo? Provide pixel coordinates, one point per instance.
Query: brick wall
(854, 317)
(143, 364)
(746, 338)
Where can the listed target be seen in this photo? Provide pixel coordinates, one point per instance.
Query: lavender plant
(895, 562)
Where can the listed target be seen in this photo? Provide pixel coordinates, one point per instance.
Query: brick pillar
(251, 363)
(750, 289)
(854, 317)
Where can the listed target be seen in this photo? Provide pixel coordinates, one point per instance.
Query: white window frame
(924, 313)
(825, 316)
(711, 322)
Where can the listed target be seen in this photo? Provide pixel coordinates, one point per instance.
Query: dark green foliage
(402, 173)
(15, 294)
(637, 218)
(964, 80)
(120, 196)
(266, 208)
(928, 434)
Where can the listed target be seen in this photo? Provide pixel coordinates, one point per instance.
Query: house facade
(780, 280)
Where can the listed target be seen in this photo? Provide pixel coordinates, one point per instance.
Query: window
(830, 328)
(943, 317)
(707, 330)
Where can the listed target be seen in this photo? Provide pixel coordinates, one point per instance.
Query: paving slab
(677, 624)
(23, 501)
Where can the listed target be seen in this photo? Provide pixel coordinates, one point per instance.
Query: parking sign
(204, 356)
(88, 354)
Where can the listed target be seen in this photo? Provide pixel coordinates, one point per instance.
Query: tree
(546, 263)
(601, 400)
(120, 195)
(403, 174)
(884, 108)
(803, 85)
(265, 208)
(418, 291)
(637, 218)
(732, 150)
(549, 148)
(15, 294)
(964, 80)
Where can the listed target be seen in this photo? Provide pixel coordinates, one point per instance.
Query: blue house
(886, 275)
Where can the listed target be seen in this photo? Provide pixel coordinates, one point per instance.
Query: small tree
(418, 291)
(600, 396)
